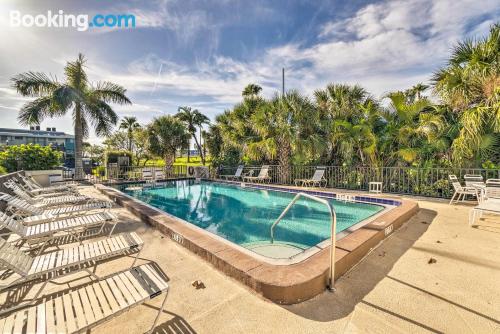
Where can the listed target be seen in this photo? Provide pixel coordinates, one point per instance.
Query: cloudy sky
(202, 53)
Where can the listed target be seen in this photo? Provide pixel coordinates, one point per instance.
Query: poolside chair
(317, 179)
(35, 215)
(491, 206)
(34, 186)
(159, 174)
(45, 201)
(461, 191)
(22, 191)
(147, 174)
(85, 307)
(472, 179)
(236, 176)
(45, 193)
(39, 235)
(262, 177)
(25, 268)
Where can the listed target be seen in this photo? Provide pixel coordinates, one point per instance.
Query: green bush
(29, 157)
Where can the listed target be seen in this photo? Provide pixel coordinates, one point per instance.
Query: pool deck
(393, 290)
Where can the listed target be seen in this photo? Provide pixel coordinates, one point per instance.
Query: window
(18, 138)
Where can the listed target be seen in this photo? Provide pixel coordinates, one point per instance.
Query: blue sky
(202, 53)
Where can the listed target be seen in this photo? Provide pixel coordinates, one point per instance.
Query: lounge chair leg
(136, 256)
(159, 312)
(452, 198)
(112, 228)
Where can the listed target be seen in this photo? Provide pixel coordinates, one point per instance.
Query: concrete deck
(394, 289)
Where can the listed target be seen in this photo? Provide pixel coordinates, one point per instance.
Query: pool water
(244, 215)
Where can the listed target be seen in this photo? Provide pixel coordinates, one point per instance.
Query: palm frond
(110, 92)
(34, 84)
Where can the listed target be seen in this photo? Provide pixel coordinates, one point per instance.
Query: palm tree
(191, 119)
(89, 102)
(469, 85)
(129, 124)
(166, 135)
(251, 91)
(284, 128)
(200, 120)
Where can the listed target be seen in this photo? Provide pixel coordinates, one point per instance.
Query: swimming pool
(244, 215)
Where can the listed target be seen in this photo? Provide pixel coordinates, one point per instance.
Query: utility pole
(283, 81)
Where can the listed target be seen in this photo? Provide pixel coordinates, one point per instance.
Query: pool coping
(284, 284)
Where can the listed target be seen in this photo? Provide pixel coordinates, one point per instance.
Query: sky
(203, 53)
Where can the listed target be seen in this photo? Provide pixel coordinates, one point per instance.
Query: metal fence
(127, 173)
(432, 182)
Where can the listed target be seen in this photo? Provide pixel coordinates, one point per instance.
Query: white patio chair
(318, 178)
(262, 177)
(473, 179)
(460, 191)
(236, 176)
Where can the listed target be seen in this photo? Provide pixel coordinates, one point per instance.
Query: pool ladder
(333, 228)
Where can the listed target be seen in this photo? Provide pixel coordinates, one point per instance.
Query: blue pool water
(244, 215)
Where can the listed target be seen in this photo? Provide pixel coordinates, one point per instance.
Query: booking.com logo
(81, 22)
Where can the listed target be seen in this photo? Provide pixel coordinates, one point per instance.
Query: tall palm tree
(200, 120)
(191, 119)
(251, 91)
(166, 135)
(283, 125)
(88, 102)
(129, 124)
(469, 84)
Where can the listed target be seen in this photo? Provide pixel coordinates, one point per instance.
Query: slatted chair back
(8, 222)
(147, 174)
(318, 174)
(455, 183)
(264, 172)
(14, 258)
(471, 179)
(159, 174)
(19, 204)
(239, 170)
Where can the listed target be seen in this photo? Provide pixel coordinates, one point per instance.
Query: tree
(469, 85)
(191, 119)
(141, 146)
(29, 157)
(116, 141)
(129, 124)
(251, 91)
(200, 120)
(167, 134)
(89, 102)
(283, 125)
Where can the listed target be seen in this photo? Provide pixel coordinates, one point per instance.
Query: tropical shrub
(29, 157)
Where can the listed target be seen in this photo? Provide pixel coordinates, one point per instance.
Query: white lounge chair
(35, 215)
(491, 206)
(34, 186)
(318, 178)
(46, 192)
(473, 179)
(461, 191)
(262, 177)
(39, 235)
(83, 308)
(160, 174)
(45, 201)
(236, 176)
(62, 262)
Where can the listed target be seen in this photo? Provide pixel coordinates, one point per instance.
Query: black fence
(432, 182)
(127, 173)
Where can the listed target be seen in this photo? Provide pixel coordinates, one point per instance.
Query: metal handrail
(333, 227)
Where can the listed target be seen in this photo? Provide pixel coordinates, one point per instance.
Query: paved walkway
(393, 290)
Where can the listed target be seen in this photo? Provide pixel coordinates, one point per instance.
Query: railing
(333, 229)
(430, 182)
(128, 173)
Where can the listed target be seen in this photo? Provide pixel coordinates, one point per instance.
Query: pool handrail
(333, 227)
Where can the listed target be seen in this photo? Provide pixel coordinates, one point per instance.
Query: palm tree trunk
(130, 141)
(169, 161)
(199, 148)
(285, 152)
(202, 154)
(78, 143)
(189, 152)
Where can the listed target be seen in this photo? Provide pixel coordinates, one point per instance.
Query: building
(51, 137)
